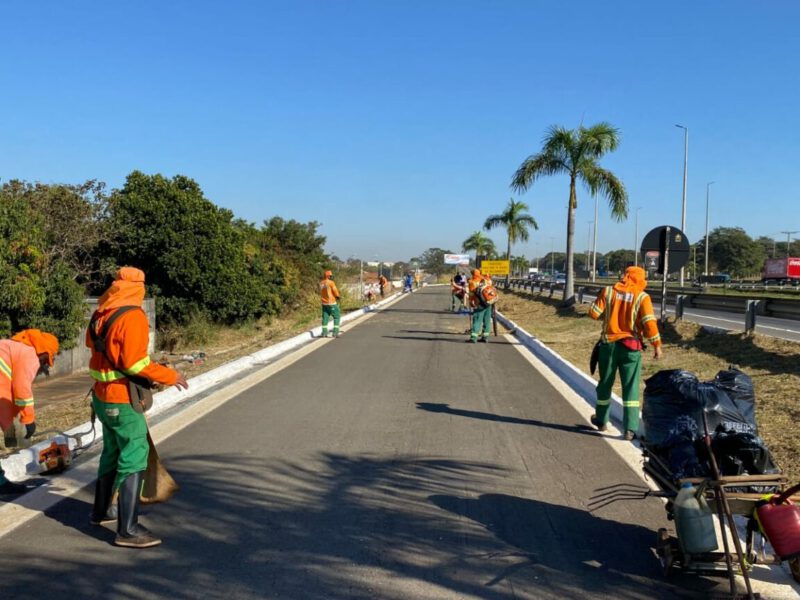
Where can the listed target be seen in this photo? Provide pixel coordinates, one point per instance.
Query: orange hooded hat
(476, 272)
(634, 280)
(328, 275)
(127, 290)
(41, 341)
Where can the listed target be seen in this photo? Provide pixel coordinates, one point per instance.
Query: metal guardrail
(682, 298)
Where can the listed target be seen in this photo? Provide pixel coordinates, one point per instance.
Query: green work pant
(125, 446)
(615, 357)
(328, 311)
(481, 322)
(455, 301)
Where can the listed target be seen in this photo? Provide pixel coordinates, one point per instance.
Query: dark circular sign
(654, 246)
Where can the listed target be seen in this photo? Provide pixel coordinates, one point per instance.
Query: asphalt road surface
(396, 462)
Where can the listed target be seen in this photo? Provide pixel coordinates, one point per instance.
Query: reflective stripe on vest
(112, 375)
(5, 369)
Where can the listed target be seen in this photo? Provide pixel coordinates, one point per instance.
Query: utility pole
(705, 250)
(552, 258)
(594, 242)
(788, 241)
(636, 240)
(685, 175)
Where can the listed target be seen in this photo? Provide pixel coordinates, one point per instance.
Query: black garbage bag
(739, 388)
(684, 461)
(742, 454)
(722, 412)
(671, 410)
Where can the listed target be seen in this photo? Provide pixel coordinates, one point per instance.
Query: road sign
(456, 259)
(495, 267)
(655, 244)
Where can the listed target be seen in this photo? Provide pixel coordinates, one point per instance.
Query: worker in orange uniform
(481, 312)
(122, 325)
(627, 314)
(383, 282)
(330, 304)
(22, 357)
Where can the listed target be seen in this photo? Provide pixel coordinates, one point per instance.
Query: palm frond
(599, 139)
(604, 182)
(536, 166)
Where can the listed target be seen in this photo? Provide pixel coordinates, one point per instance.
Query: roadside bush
(37, 288)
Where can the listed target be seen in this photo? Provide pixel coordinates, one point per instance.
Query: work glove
(30, 429)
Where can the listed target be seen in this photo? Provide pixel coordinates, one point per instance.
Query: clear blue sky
(398, 125)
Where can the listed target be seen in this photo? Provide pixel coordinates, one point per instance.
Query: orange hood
(41, 341)
(127, 290)
(634, 280)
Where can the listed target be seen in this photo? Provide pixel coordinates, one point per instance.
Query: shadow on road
(552, 538)
(343, 527)
(474, 414)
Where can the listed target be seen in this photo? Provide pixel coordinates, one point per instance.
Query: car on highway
(560, 278)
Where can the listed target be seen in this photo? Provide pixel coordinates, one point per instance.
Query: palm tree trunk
(569, 286)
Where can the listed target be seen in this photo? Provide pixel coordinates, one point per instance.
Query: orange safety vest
(126, 346)
(625, 315)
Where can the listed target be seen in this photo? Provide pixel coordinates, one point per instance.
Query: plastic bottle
(694, 521)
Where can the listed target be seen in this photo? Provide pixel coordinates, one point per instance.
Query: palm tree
(516, 223)
(481, 244)
(575, 152)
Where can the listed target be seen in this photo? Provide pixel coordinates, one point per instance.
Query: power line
(789, 240)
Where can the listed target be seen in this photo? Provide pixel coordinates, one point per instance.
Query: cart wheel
(794, 566)
(666, 554)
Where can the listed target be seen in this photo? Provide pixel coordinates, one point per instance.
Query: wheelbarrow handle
(788, 494)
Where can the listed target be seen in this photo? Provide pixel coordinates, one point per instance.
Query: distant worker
(123, 332)
(417, 279)
(22, 357)
(330, 304)
(408, 282)
(382, 282)
(458, 291)
(628, 319)
(481, 297)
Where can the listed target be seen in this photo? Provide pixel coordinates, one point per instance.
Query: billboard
(456, 259)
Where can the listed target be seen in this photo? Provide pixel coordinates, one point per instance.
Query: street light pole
(685, 175)
(588, 245)
(636, 240)
(594, 242)
(705, 250)
(552, 258)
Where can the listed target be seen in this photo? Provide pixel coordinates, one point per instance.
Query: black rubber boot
(129, 533)
(104, 511)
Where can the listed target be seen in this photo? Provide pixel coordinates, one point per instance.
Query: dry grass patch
(773, 364)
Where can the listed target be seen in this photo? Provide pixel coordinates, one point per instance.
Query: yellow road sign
(495, 267)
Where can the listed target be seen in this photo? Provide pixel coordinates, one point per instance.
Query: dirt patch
(773, 364)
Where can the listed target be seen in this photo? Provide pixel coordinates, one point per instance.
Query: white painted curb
(24, 463)
(577, 380)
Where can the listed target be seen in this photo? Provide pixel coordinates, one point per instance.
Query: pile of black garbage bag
(673, 421)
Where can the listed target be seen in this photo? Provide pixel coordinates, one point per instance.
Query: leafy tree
(480, 243)
(575, 153)
(516, 223)
(553, 261)
(191, 250)
(37, 287)
(519, 265)
(618, 260)
(734, 252)
(432, 261)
